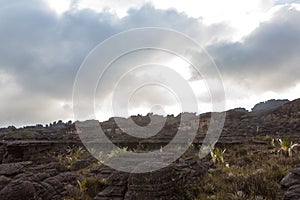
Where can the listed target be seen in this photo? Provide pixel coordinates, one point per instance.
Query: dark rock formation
(42, 178)
(29, 143)
(17, 189)
(11, 169)
(270, 104)
(36, 182)
(172, 182)
(291, 182)
(37, 151)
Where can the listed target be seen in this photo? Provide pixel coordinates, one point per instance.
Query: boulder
(293, 193)
(291, 182)
(17, 190)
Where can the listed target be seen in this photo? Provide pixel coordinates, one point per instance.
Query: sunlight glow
(180, 66)
(59, 6)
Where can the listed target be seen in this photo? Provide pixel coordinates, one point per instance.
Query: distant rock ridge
(30, 167)
(270, 104)
(29, 143)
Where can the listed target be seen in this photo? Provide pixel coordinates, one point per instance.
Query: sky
(255, 45)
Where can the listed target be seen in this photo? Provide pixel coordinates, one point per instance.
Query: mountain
(270, 104)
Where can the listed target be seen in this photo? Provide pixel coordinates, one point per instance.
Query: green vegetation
(118, 151)
(73, 154)
(87, 189)
(286, 146)
(217, 155)
(255, 172)
(241, 171)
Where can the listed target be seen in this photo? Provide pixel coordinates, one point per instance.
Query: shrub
(217, 155)
(286, 146)
(86, 189)
(74, 153)
(94, 185)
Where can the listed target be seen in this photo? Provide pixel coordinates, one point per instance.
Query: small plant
(101, 158)
(82, 185)
(73, 154)
(86, 189)
(286, 146)
(118, 151)
(76, 152)
(217, 155)
(60, 158)
(93, 151)
(74, 193)
(205, 149)
(94, 185)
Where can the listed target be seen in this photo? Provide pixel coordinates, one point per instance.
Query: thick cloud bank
(41, 52)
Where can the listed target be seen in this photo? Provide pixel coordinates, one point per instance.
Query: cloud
(41, 51)
(243, 16)
(267, 59)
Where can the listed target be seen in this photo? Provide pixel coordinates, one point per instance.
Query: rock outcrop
(270, 104)
(291, 182)
(29, 155)
(27, 181)
(30, 143)
(172, 182)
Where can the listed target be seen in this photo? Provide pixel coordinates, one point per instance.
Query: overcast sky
(254, 43)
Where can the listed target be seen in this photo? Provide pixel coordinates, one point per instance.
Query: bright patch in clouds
(180, 66)
(59, 6)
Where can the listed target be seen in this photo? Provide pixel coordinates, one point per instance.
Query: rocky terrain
(50, 162)
(270, 104)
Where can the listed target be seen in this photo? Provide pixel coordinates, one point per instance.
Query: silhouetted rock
(270, 104)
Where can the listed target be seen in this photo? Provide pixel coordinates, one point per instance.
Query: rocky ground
(48, 162)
